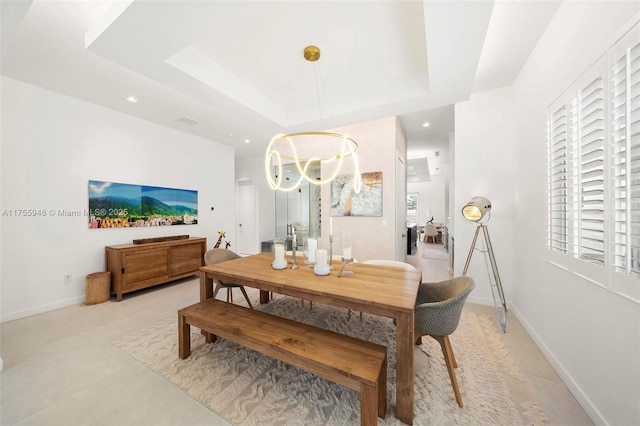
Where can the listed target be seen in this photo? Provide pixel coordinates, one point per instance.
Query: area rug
(248, 388)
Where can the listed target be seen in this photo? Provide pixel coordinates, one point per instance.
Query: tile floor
(60, 367)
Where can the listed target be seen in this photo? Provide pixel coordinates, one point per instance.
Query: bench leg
(382, 390)
(184, 337)
(368, 405)
(208, 337)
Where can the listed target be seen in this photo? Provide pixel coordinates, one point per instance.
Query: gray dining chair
(221, 255)
(437, 314)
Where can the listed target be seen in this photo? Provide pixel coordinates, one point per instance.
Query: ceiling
(233, 71)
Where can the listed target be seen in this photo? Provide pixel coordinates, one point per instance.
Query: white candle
(312, 244)
(321, 257)
(346, 253)
(279, 248)
(330, 226)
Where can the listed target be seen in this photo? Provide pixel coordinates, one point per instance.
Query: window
(593, 171)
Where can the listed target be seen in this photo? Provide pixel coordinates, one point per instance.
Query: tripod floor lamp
(479, 210)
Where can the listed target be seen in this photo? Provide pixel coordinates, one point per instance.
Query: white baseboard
(42, 308)
(573, 387)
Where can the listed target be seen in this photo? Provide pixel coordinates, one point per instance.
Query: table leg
(264, 297)
(404, 367)
(206, 292)
(206, 287)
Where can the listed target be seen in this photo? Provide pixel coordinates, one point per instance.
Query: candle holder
(310, 246)
(342, 272)
(279, 261)
(321, 268)
(331, 267)
(294, 262)
(347, 252)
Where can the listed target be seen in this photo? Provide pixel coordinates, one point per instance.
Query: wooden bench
(354, 363)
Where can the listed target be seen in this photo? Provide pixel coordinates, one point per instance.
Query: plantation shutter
(593, 171)
(557, 180)
(625, 150)
(588, 223)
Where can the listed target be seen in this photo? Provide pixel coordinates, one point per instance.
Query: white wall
(374, 237)
(483, 167)
(591, 335)
(252, 168)
(432, 196)
(52, 145)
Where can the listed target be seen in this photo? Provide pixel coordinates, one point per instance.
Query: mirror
(300, 207)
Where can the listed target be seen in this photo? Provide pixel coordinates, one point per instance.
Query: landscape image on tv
(122, 205)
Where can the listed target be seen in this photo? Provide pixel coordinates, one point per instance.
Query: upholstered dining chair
(386, 262)
(430, 231)
(221, 255)
(437, 314)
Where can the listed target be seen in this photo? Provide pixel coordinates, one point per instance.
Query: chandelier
(309, 149)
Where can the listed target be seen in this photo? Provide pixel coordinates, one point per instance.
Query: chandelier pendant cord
(348, 146)
(318, 79)
(293, 93)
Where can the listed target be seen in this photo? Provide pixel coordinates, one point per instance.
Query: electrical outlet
(66, 278)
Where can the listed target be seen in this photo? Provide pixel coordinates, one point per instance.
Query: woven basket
(97, 287)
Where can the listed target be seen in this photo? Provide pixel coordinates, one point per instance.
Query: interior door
(401, 208)
(247, 235)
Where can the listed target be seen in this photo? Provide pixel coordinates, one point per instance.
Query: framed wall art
(122, 205)
(345, 202)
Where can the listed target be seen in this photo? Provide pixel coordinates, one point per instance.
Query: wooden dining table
(378, 290)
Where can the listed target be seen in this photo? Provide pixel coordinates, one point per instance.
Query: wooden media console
(137, 266)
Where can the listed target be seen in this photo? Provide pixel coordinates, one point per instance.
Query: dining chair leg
(447, 351)
(450, 351)
(217, 289)
(246, 297)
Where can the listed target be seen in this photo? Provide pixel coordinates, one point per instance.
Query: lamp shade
(477, 209)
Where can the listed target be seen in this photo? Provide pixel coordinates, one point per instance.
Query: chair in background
(386, 262)
(437, 314)
(430, 231)
(221, 255)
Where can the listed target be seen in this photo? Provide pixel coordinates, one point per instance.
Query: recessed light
(426, 124)
(132, 99)
(247, 141)
(229, 135)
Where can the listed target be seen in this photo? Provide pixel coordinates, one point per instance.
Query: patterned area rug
(248, 388)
